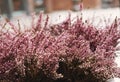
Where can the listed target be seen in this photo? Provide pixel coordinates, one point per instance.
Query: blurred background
(13, 8)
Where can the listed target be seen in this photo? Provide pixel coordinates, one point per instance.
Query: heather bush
(66, 52)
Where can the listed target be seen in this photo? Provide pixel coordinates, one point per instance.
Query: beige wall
(116, 3)
(92, 4)
(53, 5)
(31, 5)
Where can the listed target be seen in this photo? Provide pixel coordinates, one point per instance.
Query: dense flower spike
(70, 52)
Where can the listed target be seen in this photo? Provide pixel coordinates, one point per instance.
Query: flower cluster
(63, 52)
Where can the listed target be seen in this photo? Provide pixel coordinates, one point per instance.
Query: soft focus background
(94, 10)
(17, 8)
(58, 10)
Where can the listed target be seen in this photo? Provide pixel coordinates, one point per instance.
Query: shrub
(66, 52)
